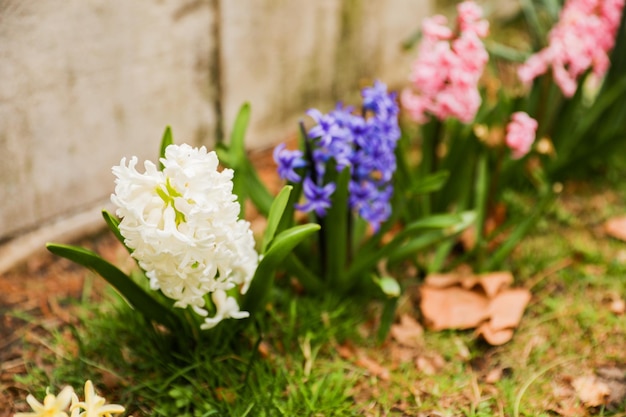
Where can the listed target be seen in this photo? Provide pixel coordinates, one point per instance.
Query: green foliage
(246, 182)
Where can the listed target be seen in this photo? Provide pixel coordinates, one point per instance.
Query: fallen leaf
(462, 300)
(442, 280)
(493, 282)
(407, 332)
(591, 391)
(618, 306)
(401, 354)
(569, 411)
(264, 349)
(494, 375)
(226, 394)
(349, 352)
(615, 379)
(493, 336)
(373, 367)
(468, 238)
(346, 351)
(616, 227)
(453, 308)
(507, 309)
(430, 365)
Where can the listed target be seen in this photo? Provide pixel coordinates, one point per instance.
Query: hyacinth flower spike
(180, 221)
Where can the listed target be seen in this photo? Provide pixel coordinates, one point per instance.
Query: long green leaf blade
(336, 232)
(263, 278)
(114, 225)
(276, 212)
(166, 141)
(134, 294)
(237, 137)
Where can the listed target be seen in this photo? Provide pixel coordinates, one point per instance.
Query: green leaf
(166, 141)
(388, 285)
(537, 31)
(307, 278)
(519, 232)
(447, 225)
(223, 154)
(386, 318)
(246, 181)
(436, 221)
(263, 278)
(136, 296)
(114, 226)
(237, 145)
(424, 241)
(275, 214)
(336, 232)
(502, 51)
(431, 183)
(481, 196)
(257, 191)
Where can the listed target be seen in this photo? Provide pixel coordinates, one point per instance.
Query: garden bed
(573, 333)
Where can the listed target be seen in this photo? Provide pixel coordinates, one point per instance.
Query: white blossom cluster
(182, 225)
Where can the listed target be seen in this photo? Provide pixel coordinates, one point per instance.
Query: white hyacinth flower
(182, 224)
(94, 405)
(53, 406)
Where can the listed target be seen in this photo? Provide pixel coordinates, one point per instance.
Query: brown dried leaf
(491, 282)
(453, 308)
(401, 354)
(492, 336)
(373, 367)
(507, 309)
(569, 410)
(408, 332)
(618, 306)
(437, 280)
(346, 351)
(430, 365)
(494, 375)
(468, 238)
(349, 352)
(615, 379)
(616, 227)
(494, 282)
(591, 391)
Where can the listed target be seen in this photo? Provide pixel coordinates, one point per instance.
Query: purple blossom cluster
(364, 142)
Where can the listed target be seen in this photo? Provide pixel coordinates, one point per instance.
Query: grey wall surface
(85, 82)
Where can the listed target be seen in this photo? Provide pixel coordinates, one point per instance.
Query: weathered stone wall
(85, 82)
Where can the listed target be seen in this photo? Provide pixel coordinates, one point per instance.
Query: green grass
(291, 363)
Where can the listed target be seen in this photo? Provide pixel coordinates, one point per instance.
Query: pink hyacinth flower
(444, 77)
(581, 40)
(520, 134)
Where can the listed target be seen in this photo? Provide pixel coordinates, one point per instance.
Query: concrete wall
(85, 82)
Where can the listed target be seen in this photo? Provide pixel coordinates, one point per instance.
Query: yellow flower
(53, 406)
(94, 405)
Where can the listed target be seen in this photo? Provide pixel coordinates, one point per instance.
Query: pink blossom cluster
(582, 39)
(450, 62)
(520, 134)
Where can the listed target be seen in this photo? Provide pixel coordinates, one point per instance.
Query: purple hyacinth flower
(318, 197)
(376, 213)
(377, 99)
(327, 128)
(288, 161)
